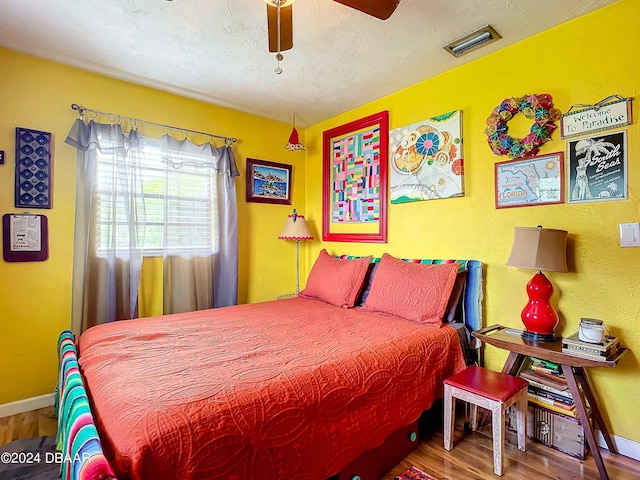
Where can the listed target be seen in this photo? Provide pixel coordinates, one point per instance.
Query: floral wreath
(537, 107)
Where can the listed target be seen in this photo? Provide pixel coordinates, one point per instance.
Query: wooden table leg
(570, 376)
(581, 375)
(513, 364)
(511, 367)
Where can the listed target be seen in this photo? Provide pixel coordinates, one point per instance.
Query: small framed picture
(531, 181)
(597, 168)
(268, 182)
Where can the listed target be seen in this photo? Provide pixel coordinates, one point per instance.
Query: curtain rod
(113, 117)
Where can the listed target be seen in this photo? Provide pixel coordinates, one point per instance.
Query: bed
(296, 388)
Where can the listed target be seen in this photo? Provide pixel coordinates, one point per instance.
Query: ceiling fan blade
(286, 28)
(381, 9)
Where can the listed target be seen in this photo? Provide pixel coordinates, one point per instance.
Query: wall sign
(611, 112)
(597, 168)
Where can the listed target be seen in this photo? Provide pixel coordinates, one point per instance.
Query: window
(168, 201)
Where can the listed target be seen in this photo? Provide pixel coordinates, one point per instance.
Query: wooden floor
(470, 459)
(36, 423)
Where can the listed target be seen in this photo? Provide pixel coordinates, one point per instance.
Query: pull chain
(279, 56)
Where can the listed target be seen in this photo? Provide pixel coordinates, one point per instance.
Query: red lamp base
(538, 316)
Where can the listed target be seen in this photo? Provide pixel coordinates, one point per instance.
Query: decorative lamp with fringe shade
(295, 228)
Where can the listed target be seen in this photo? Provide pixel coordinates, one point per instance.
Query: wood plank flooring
(470, 459)
(33, 424)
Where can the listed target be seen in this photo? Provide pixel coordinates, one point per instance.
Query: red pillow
(411, 290)
(336, 281)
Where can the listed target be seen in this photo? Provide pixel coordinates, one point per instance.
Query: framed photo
(268, 182)
(354, 180)
(531, 181)
(597, 168)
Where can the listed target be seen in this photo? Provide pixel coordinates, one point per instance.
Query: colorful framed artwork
(34, 168)
(531, 181)
(597, 168)
(354, 180)
(268, 182)
(426, 159)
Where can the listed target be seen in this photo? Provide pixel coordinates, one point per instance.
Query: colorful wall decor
(597, 168)
(34, 162)
(355, 180)
(609, 113)
(268, 182)
(531, 181)
(426, 159)
(538, 108)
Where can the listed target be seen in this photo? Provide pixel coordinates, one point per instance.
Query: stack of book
(595, 351)
(548, 387)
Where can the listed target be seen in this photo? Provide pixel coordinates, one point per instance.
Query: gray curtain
(105, 284)
(196, 282)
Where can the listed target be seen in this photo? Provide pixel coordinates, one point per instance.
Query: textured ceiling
(217, 50)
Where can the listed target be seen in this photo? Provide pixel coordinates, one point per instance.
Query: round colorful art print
(539, 108)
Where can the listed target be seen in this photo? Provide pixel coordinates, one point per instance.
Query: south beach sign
(612, 112)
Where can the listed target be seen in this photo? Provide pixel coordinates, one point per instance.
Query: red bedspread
(289, 389)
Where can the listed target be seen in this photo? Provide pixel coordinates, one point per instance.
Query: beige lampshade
(295, 228)
(539, 248)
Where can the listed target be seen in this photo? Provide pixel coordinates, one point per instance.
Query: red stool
(491, 390)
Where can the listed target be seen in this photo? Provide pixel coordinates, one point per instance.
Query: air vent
(474, 40)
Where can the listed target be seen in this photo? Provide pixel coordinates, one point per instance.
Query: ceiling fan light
(473, 40)
(280, 3)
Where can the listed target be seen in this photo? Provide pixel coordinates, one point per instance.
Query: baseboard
(26, 405)
(626, 447)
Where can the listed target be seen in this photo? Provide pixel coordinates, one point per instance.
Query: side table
(573, 368)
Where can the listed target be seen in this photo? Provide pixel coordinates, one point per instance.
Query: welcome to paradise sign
(611, 112)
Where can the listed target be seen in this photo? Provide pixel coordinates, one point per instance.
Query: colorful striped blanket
(77, 440)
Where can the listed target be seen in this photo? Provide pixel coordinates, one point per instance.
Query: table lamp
(540, 249)
(295, 228)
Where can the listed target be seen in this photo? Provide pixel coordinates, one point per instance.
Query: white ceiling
(217, 50)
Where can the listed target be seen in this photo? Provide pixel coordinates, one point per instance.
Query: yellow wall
(35, 298)
(579, 62)
(582, 61)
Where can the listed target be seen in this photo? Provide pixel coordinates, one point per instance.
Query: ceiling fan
(280, 18)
